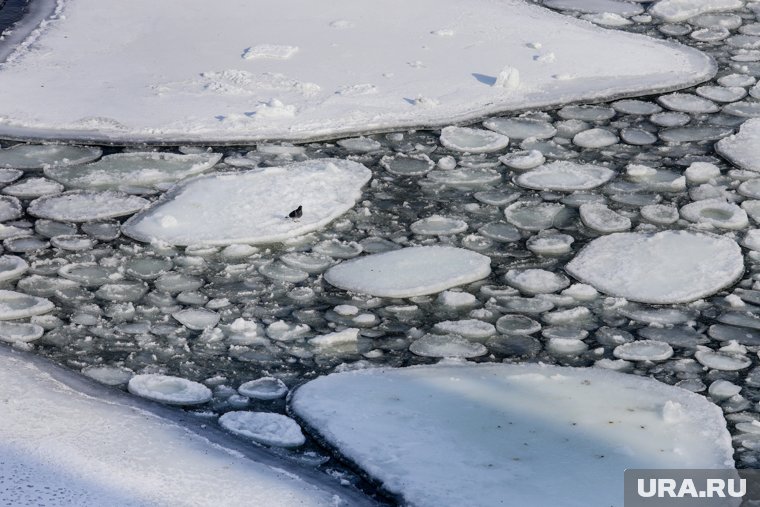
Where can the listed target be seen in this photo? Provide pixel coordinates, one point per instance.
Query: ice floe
(253, 206)
(39, 156)
(16, 305)
(472, 140)
(600, 218)
(240, 89)
(662, 268)
(86, 206)
(436, 345)
(536, 281)
(169, 390)
(124, 170)
(264, 388)
(565, 176)
(743, 149)
(408, 272)
(71, 442)
(681, 10)
(644, 350)
(264, 427)
(497, 424)
(717, 213)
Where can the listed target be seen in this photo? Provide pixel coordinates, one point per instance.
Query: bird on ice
(296, 213)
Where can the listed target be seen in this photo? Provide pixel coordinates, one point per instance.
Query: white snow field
(252, 206)
(663, 268)
(408, 272)
(66, 441)
(299, 69)
(498, 434)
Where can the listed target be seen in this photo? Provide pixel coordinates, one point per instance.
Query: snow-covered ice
(437, 345)
(473, 140)
(479, 434)
(264, 388)
(662, 268)
(536, 281)
(600, 218)
(39, 156)
(86, 206)
(16, 305)
(743, 149)
(264, 427)
(253, 206)
(265, 76)
(11, 267)
(681, 10)
(717, 213)
(643, 350)
(565, 176)
(408, 272)
(124, 170)
(69, 442)
(169, 389)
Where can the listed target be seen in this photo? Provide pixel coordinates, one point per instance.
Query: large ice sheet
(65, 443)
(253, 206)
(299, 69)
(662, 268)
(498, 434)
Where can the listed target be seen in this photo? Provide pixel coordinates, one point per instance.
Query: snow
(124, 170)
(663, 268)
(321, 71)
(412, 271)
(681, 10)
(565, 176)
(86, 206)
(466, 434)
(264, 427)
(252, 206)
(743, 149)
(69, 441)
(168, 389)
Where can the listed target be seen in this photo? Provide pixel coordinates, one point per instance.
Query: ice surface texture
(663, 268)
(252, 207)
(478, 434)
(355, 69)
(408, 272)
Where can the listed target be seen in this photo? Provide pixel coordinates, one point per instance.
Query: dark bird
(296, 213)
